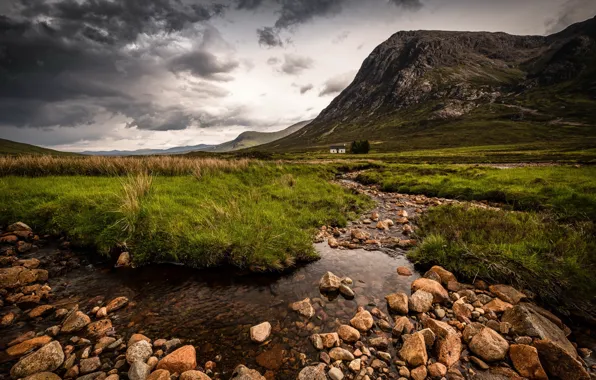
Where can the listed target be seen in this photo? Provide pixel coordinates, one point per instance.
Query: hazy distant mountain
(251, 139)
(147, 152)
(8, 147)
(436, 89)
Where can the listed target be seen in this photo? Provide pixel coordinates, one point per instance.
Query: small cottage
(337, 149)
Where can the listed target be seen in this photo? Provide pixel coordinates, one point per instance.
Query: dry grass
(135, 188)
(36, 166)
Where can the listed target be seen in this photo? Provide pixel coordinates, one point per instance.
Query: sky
(81, 75)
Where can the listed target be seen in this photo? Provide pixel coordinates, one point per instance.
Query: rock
(338, 353)
(193, 375)
(43, 376)
(359, 234)
(439, 293)
(345, 291)
(99, 375)
(429, 337)
(102, 312)
(139, 351)
(172, 344)
(397, 302)
(18, 276)
(526, 320)
(182, 360)
(317, 341)
(437, 370)
(330, 340)
(116, 304)
(558, 362)
(113, 377)
(73, 371)
(363, 321)
(260, 332)
(447, 343)
(124, 260)
(497, 306)
(335, 374)
(413, 350)
(379, 343)
(7, 319)
(28, 301)
(41, 311)
(418, 373)
(28, 345)
(28, 263)
(243, 373)
(104, 342)
(46, 359)
(76, 321)
(471, 330)
(489, 345)
(421, 301)
(329, 282)
(348, 333)
(445, 276)
(99, 328)
(332, 242)
(152, 362)
(139, 371)
(134, 338)
(303, 308)
(507, 293)
(462, 311)
(19, 226)
(315, 372)
(402, 326)
(355, 365)
(404, 271)
(526, 362)
(162, 374)
(90, 365)
(272, 358)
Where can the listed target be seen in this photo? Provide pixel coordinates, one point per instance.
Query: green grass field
(263, 216)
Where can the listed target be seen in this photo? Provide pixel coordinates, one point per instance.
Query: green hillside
(13, 148)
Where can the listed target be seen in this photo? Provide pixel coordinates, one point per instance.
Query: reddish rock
(448, 342)
(489, 345)
(40, 311)
(439, 293)
(363, 321)
(99, 328)
(28, 345)
(397, 302)
(526, 362)
(507, 293)
(193, 375)
(444, 274)
(160, 374)
(413, 350)
(558, 362)
(116, 304)
(404, 271)
(272, 358)
(497, 306)
(182, 360)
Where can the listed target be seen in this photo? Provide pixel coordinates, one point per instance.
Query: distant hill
(436, 89)
(251, 139)
(13, 148)
(148, 152)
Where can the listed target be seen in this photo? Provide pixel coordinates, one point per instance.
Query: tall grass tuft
(38, 166)
(134, 189)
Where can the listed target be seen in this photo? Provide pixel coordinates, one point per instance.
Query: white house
(337, 149)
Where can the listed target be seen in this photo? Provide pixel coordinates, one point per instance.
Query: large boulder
(398, 303)
(18, 276)
(558, 362)
(439, 293)
(413, 350)
(315, 372)
(46, 359)
(182, 360)
(525, 319)
(260, 332)
(526, 362)
(243, 373)
(363, 321)
(447, 342)
(329, 282)
(489, 345)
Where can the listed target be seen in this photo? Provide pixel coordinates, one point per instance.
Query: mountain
(13, 148)
(251, 139)
(148, 152)
(437, 89)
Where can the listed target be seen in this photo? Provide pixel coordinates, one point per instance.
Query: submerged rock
(303, 308)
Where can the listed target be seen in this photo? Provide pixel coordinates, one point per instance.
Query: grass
(258, 216)
(534, 251)
(568, 192)
(14, 148)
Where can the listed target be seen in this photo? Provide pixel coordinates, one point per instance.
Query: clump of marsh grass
(134, 189)
(37, 166)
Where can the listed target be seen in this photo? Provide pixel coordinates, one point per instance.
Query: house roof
(337, 147)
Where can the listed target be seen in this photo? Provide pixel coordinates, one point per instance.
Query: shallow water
(214, 309)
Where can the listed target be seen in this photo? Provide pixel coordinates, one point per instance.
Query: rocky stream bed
(360, 312)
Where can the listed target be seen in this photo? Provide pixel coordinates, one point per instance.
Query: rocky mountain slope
(432, 89)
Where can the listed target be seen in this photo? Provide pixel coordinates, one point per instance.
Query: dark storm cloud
(337, 84)
(249, 4)
(269, 36)
(296, 64)
(205, 65)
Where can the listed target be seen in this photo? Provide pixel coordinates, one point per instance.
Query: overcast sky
(130, 74)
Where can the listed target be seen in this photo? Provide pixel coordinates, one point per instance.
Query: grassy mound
(259, 215)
